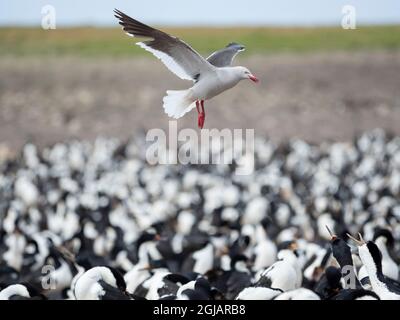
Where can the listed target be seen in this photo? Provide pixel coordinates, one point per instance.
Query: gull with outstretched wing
(211, 76)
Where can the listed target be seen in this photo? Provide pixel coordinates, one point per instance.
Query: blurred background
(86, 78)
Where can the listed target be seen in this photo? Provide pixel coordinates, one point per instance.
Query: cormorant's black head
(237, 258)
(54, 257)
(177, 278)
(158, 226)
(239, 245)
(266, 222)
(243, 241)
(146, 236)
(380, 232)
(342, 252)
(290, 245)
(202, 283)
(203, 286)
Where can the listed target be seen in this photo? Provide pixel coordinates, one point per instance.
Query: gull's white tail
(177, 103)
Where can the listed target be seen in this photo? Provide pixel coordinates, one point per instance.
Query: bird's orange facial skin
(253, 78)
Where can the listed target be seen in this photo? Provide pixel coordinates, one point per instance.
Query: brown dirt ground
(317, 97)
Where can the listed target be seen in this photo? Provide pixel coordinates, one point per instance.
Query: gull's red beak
(253, 78)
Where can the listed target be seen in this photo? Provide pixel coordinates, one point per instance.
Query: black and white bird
(285, 274)
(101, 283)
(231, 282)
(264, 250)
(21, 291)
(371, 258)
(329, 285)
(197, 289)
(211, 76)
(108, 225)
(200, 261)
(342, 253)
(384, 240)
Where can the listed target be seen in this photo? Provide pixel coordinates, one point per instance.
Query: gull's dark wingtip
(237, 46)
(133, 27)
(117, 13)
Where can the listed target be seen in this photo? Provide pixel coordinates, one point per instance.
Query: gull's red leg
(202, 115)
(200, 120)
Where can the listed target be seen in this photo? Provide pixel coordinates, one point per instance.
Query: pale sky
(204, 12)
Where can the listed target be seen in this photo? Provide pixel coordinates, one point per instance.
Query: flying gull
(211, 76)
